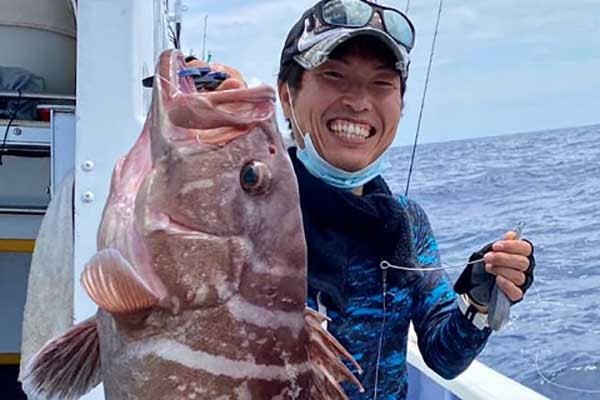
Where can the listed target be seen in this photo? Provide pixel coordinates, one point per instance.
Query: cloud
(249, 36)
(494, 57)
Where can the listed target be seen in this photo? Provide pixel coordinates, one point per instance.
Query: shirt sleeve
(448, 341)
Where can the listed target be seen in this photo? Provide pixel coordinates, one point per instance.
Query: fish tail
(325, 354)
(67, 367)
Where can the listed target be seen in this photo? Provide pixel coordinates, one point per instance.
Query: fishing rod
(432, 52)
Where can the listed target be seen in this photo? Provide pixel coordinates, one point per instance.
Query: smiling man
(351, 103)
(373, 261)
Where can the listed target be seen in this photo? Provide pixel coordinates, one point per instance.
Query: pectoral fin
(67, 367)
(114, 285)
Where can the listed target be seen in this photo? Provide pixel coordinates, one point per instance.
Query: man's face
(350, 106)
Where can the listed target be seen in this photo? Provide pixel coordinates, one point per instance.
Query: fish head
(221, 178)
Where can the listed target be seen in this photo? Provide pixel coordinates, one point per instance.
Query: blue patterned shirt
(447, 340)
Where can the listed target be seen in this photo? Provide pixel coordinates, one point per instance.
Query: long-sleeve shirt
(376, 335)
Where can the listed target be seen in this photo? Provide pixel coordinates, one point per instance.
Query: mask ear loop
(294, 120)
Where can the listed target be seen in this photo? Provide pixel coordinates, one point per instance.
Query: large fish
(200, 274)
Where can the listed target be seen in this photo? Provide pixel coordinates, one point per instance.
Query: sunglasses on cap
(360, 13)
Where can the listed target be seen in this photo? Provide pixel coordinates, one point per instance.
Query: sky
(500, 66)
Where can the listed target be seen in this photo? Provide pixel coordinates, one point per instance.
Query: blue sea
(475, 190)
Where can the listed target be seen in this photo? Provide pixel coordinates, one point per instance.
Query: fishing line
(386, 265)
(539, 370)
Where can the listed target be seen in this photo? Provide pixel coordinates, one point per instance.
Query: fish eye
(255, 177)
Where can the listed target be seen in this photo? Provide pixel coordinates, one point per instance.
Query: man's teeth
(350, 129)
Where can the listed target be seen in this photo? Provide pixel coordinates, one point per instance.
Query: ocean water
(474, 191)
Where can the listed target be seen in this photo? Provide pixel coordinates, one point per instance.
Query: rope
(414, 149)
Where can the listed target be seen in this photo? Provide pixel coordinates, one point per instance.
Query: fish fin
(114, 285)
(325, 354)
(67, 367)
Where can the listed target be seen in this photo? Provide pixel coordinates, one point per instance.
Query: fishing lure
(499, 307)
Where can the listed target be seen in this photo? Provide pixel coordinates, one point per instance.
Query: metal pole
(22, 211)
(38, 96)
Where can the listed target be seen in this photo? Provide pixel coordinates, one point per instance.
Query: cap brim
(318, 53)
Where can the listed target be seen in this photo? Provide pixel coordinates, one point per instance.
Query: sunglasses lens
(347, 13)
(399, 28)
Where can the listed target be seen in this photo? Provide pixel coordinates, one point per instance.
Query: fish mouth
(213, 117)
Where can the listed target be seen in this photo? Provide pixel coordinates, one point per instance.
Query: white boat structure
(93, 62)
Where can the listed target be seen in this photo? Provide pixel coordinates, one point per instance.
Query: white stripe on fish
(197, 185)
(171, 350)
(277, 270)
(252, 314)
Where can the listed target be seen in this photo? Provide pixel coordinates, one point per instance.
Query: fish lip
(257, 94)
(216, 118)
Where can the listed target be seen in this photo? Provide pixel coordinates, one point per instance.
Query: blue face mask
(321, 168)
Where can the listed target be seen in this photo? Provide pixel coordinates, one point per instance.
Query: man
(341, 84)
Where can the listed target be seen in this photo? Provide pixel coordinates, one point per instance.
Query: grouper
(200, 273)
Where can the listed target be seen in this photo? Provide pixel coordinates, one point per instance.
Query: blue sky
(501, 66)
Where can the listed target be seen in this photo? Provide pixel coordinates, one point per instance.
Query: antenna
(204, 38)
(176, 17)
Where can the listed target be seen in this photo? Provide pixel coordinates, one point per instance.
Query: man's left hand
(508, 260)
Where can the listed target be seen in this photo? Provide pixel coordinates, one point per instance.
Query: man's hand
(215, 76)
(509, 260)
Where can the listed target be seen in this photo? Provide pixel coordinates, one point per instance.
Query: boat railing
(53, 138)
(478, 382)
